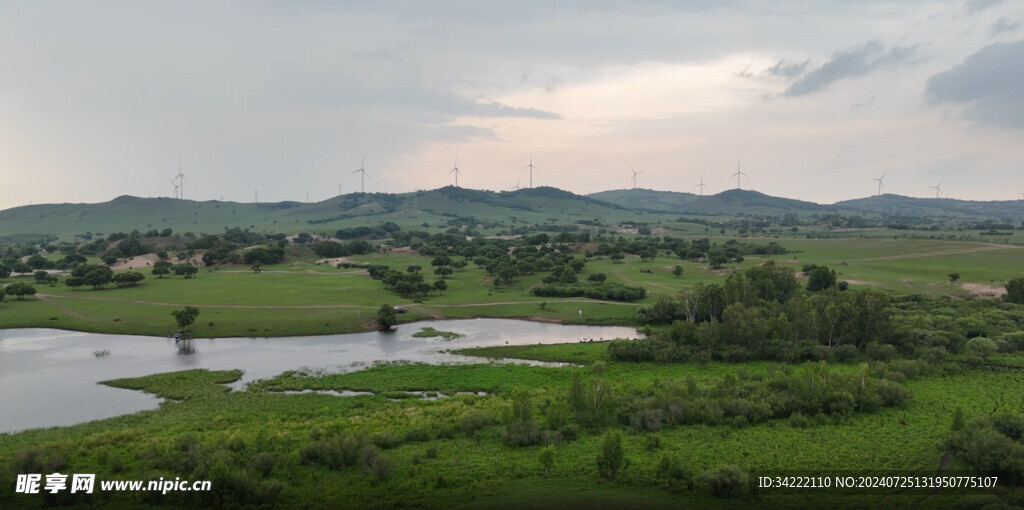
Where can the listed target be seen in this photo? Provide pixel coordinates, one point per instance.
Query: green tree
(547, 459)
(20, 290)
(678, 270)
(612, 454)
(821, 278)
(386, 317)
(717, 260)
(440, 286)
(185, 270)
(40, 276)
(161, 267)
(954, 277)
(1015, 291)
(74, 282)
(186, 317)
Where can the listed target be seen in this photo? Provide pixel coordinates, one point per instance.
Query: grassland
(300, 297)
(436, 460)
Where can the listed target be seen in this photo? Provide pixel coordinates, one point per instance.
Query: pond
(49, 377)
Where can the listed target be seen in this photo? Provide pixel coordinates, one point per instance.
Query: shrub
(725, 482)
(612, 455)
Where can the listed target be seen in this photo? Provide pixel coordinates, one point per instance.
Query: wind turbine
(362, 178)
(635, 173)
(880, 182)
(176, 188)
(456, 171)
(937, 188)
(530, 166)
(738, 174)
(339, 189)
(702, 186)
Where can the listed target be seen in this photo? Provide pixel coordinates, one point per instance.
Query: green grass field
(300, 297)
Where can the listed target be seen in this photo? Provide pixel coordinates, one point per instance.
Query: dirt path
(46, 298)
(987, 247)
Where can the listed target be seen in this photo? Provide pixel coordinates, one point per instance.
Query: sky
(284, 100)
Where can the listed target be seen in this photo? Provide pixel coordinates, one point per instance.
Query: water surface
(49, 377)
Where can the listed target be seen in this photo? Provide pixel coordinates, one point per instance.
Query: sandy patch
(983, 291)
(334, 261)
(138, 262)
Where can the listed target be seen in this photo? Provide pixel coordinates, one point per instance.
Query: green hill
(647, 199)
(434, 207)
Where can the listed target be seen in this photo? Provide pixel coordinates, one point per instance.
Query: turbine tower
(179, 186)
(702, 186)
(530, 166)
(880, 182)
(339, 189)
(738, 174)
(362, 178)
(455, 170)
(937, 188)
(635, 173)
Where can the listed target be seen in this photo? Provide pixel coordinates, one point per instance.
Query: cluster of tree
(592, 290)
(128, 279)
(94, 275)
(762, 313)
(409, 284)
(381, 231)
(266, 255)
(990, 445)
(335, 249)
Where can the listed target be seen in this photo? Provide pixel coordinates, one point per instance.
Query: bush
(845, 353)
(612, 455)
(725, 482)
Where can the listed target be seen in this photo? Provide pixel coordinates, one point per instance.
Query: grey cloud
(990, 83)
(981, 5)
(1003, 26)
(850, 64)
(785, 70)
(494, 109)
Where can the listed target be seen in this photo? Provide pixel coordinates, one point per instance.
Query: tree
(440, 286)
(717, 260)
(161, 267)
(547, 458)
(616, 257)
(597, 277)
(186, 317)
(414, 269)
(954, 277)
(51, 280)
(4, 271)
(20, 290)
(386, 317)
(94, 275)
(821, 278)
(678, 270)
(612, 455)
(74, 282)
(257, 267)
(185, 270)
(443, 271)
(1015, 291)
(128, 279)
(40, 276)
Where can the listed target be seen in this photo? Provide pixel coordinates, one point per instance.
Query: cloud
(495, 109)
(850, 64)
(990, 83)
(788, 70)
(981, 5)
(1003, 26)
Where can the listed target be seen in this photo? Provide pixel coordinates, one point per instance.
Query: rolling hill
(441, 208)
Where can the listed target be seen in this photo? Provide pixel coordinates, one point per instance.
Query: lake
(49, 377)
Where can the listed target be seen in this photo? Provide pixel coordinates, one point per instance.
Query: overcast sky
(811, 98)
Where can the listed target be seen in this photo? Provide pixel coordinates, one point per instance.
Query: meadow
(271, 447)
(300, 297)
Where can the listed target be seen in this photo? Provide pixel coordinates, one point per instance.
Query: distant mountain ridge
(524, 206)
